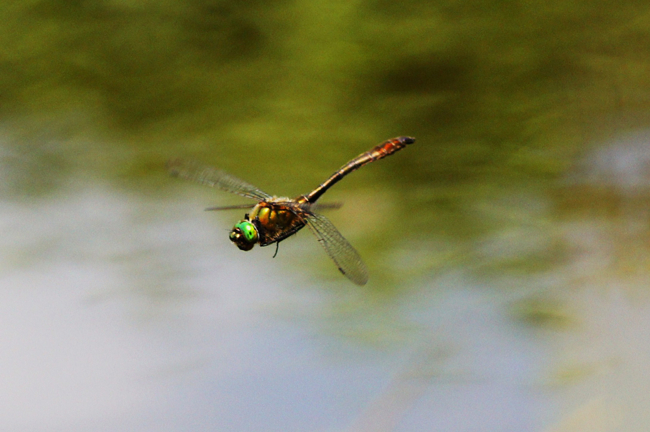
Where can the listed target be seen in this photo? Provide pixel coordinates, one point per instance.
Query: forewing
(190, 170)
(337, 247)
(232, 207)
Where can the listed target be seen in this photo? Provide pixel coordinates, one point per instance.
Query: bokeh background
(508, 248)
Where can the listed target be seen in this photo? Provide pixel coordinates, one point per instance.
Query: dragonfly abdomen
(389, 147)
(378, 152)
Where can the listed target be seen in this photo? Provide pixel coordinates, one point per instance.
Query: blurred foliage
(501, 96)
(543, 312)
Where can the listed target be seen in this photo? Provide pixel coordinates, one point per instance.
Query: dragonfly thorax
(244, 235)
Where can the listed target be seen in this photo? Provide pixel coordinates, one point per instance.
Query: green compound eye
(244, 235)
(249, 231)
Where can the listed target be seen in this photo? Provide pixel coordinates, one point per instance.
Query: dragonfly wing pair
(347, 259)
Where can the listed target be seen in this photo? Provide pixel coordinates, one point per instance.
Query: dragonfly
(274, 218)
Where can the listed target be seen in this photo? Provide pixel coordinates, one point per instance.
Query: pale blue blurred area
(124, 312)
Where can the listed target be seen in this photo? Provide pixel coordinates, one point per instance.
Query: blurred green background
(499, 95)
(513, 183)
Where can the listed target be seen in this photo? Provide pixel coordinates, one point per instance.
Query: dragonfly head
(244, 235)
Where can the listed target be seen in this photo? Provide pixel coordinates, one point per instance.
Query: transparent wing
(337, 247)
(326, 206)
(232, 207)
(190, 170)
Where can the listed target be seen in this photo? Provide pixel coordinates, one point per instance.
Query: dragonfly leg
(277, 246)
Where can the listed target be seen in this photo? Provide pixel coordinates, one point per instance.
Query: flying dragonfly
(273, 218)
